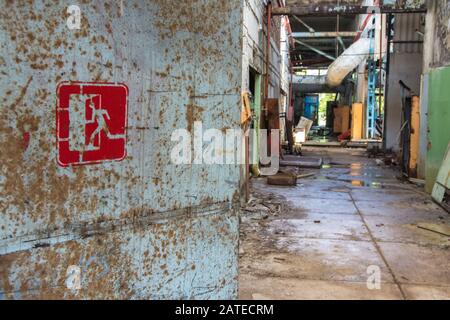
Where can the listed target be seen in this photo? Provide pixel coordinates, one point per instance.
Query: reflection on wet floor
(350, 214)
(356, 170)
(362, 183)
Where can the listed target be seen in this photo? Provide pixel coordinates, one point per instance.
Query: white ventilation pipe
(357, 53)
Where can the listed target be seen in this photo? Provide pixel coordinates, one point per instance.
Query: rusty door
(91, 205)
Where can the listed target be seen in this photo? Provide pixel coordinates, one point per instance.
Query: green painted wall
(438, 122)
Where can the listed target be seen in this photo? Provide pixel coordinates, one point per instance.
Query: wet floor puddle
(355, 171)
(362, 183)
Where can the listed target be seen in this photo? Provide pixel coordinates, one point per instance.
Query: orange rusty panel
(415, 136)
(357, 121)
(164, 55)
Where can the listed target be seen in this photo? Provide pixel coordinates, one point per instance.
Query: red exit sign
(91, 122)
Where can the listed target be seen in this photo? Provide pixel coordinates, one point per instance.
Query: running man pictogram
(91, 123)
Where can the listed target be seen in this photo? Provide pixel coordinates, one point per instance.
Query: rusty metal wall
(406, 27)
(406, 63)
(437, 35)
(140, 228)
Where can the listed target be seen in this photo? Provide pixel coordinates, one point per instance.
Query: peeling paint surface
(142, 228)
(438, 119)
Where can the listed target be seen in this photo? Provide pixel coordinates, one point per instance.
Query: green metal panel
(257, 125)
(438, 123)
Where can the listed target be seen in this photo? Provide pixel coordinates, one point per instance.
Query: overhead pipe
(348, 61)
(356, 54)
(315, 88)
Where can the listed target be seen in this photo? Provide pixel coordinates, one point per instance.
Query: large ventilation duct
(348, 61)
(314, 84)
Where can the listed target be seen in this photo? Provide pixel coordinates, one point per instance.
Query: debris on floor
(382, 158)
(306, 175)
(262, 206)
(283, 178)
(321, 236)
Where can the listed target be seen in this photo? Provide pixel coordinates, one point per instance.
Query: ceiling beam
(333, 10)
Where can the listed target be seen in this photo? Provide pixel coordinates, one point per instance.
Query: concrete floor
(350, 216)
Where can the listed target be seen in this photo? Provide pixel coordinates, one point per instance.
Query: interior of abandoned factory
(359, 177)
(241, 149)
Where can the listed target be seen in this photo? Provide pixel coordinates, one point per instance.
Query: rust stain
(22, 93)
(50, 200)
(202, 17)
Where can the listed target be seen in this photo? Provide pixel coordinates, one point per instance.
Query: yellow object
(246, 112)
(357, 121)
(415, 136)
(254, 169)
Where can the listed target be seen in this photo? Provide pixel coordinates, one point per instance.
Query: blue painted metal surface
(141, 228)
(311, 107)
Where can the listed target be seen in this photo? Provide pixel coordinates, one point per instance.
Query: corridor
(340, 226)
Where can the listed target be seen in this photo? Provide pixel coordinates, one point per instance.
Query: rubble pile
(262, 206)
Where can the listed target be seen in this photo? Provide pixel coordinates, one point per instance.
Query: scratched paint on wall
(137, 228)
(91, 122)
